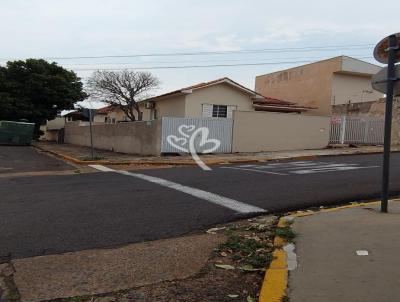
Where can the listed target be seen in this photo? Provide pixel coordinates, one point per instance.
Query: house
(218, 98)
(52, 128)
(110, 115)
(323, 84)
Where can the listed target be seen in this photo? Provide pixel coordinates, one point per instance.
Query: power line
(204, 66)
(202, 53)
(205, 61)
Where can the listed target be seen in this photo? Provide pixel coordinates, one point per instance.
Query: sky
(280, 35)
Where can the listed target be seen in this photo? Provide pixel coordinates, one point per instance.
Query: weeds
(248, 251)
(286, 233)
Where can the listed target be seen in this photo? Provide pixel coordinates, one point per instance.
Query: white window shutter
(229, 113)
(207, 110)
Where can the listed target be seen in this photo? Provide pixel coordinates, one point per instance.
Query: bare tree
(123, 89)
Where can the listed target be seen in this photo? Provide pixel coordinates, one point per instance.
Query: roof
(189, 89)
(276, 105)
(106, 110)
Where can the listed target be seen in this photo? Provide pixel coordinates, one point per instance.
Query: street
(59, 213)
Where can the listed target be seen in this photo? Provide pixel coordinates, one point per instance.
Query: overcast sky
(72, 28)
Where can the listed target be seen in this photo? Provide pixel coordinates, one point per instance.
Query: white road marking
(331, 169)
(254, 170)
(101, 168)
(237, 206)
(300, 167)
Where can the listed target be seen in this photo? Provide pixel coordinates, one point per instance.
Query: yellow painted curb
(276, 277)
(275, 280)
(354, 205)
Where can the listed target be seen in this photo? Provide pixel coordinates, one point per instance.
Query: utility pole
(387, 51)
(91, 134)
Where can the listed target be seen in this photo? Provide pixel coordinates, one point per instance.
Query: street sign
(381, 53)
(388, 52)
(379, 81)
(89, 113)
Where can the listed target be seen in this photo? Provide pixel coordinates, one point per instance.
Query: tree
(123, 89)
(36, 90)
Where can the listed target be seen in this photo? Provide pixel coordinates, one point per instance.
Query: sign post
(387, 51)
(90, 113)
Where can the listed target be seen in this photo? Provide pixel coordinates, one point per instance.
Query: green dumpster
(16, 133)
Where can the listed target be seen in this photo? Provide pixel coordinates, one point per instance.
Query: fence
(357, 130)
(177, 132)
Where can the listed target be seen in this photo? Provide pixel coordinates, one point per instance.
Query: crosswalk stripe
(237, 206)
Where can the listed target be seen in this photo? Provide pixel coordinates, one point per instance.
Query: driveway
(55, 214)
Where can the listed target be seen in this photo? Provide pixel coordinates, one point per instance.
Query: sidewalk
(225, 263)
(80, 155)
(329, 268)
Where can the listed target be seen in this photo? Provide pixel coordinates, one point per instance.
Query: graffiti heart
(187, 142)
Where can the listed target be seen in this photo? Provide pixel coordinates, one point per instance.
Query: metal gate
(208, 134)
(357, 130)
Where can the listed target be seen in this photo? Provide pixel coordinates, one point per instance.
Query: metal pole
(388, 121)
(91, 133)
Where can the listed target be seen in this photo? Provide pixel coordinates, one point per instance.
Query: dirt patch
(234, 271)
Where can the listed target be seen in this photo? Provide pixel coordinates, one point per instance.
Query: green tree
(37, 90)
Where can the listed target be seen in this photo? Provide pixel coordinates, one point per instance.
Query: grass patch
(248, 251)
(286, 233)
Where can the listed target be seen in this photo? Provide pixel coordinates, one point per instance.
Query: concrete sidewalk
(80, 155)
(329, 268)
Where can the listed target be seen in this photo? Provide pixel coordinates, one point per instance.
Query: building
(52, 129)
(336, 81)
(218, 98)
(109, 115)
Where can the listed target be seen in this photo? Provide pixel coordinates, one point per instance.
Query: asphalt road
(54, 214)
(15, 159)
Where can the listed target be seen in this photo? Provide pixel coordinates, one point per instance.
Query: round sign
(379, 81)
(381, 53)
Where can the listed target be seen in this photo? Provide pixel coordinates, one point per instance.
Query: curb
(275, 282)
(209, 162)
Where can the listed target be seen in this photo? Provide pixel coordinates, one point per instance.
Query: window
(219, 111)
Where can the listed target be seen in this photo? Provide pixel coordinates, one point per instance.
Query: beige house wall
(173, 107)
(142, 138)
(221, 94)
(349, 88)
(56, 123)
(265, 131)
(308, 85)
(321, 84)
